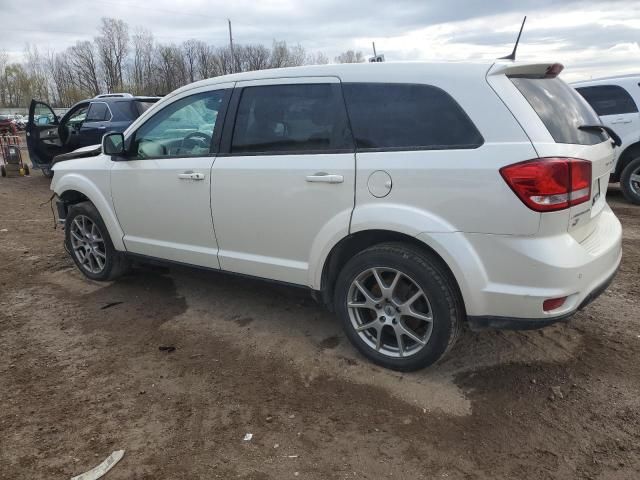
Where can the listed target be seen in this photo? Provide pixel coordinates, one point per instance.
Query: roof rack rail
(114, 95)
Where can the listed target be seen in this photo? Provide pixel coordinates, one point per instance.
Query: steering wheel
(202, 138)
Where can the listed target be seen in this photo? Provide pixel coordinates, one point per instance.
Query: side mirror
(113, 144)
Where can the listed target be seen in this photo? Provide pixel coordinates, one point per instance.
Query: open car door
(43, 139)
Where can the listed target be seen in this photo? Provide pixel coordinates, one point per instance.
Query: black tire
(47, 172)
(115, 263)
(3, 171)
(631, 189)
(428, 273)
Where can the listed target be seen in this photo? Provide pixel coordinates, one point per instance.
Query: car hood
(89, 151)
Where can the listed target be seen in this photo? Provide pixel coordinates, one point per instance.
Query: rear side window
(126, 109)
(608, 99)
(561, 109)
(291, 118)
(98, 112)
(407, 116)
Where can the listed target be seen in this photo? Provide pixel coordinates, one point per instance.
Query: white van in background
(616, 101)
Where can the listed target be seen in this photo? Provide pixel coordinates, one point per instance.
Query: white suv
(616, 100)
(409, 198)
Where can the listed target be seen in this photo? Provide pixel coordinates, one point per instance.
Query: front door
(43, 140)
(161, 191)
(285, 184)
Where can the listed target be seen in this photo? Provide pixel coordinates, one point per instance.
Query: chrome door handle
(191, 176)
(322, 177)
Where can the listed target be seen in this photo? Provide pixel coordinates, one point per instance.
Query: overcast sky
(591, 39)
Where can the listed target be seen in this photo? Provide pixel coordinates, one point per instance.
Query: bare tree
(113, 46)
(350, 56)
(223, 60)
(255, 57)
(173, 73)
(206, 60)
(116, 61)
(4, 61)
(84, 59)
(189, 52)
(283, 56)
(142, 78)
(317, 58)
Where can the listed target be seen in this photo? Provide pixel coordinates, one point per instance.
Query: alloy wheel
(390, 312)
(634, 181)
(87, 244)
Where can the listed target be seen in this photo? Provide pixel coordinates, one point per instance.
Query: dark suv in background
(84, 124)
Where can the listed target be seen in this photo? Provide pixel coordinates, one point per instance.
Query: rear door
(285, 184)
(562, 111)
(43, 140)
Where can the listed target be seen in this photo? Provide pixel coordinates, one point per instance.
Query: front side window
(608, 99)
(291, 118)
(183, 129)
(98, 112)
(407, 116)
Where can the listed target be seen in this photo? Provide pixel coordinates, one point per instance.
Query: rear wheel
(399, 306)
(90, 246)
(47, 172)
(630, 181)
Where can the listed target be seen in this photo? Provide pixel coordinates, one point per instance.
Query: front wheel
(630, 181)
(399, 306)
(90, 246)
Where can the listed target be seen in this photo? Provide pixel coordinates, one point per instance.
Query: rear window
(608, 99)
(407, 116)
(561, 109)
(144, 105)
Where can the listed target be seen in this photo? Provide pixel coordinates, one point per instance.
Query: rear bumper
(505, 279)
(511, 323)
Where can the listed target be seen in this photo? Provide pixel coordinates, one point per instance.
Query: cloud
(588, 36)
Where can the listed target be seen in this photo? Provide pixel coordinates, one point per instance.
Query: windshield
(561, 109)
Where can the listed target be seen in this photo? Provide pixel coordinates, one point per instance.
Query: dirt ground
(82, 375)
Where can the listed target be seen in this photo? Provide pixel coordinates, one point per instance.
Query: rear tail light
(550, 184)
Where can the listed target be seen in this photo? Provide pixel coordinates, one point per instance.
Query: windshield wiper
(614, 136)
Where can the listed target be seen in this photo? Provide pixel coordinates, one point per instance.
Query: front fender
(94, 192)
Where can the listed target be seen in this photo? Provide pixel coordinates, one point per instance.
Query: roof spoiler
(527, 70)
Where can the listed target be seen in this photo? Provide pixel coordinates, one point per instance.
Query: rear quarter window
(608, 99)
(407, 116)
(561, 109)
